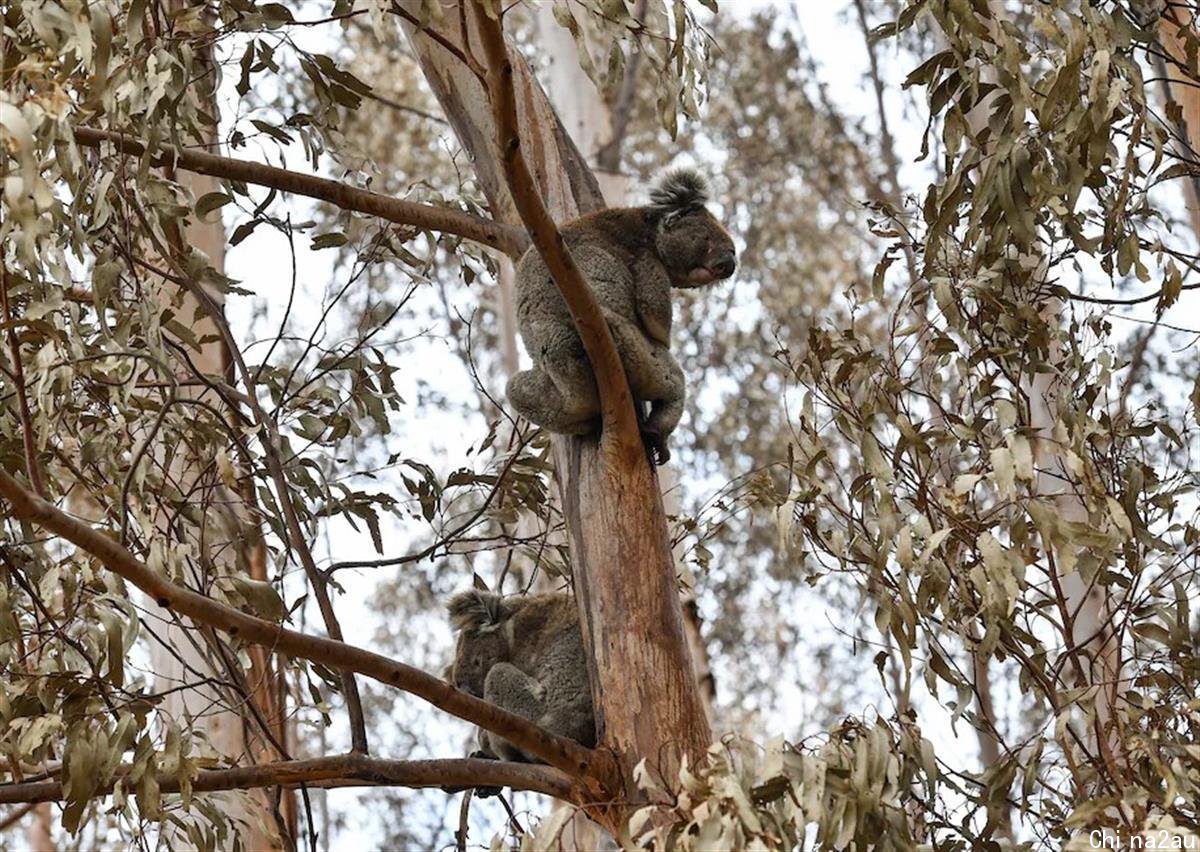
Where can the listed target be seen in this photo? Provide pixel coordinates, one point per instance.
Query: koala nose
(725, 265)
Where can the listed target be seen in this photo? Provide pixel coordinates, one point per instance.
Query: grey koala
(632, 257)
(524, 654)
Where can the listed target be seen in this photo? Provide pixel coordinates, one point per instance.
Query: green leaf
(261, 596)
(211, 201)
(330, 240)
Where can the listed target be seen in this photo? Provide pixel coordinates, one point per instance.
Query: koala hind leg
(559, 393)
(508, 687)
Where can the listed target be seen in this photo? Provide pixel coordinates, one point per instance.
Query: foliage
(857, 788)
(1007, 503)
(952, 446)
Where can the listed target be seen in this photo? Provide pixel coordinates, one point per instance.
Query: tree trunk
(1174, 32)
(590, 123)
(184, 654)
(645, 694)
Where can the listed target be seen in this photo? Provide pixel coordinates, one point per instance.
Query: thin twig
(16, 816)
(464, 817)
(445, 540)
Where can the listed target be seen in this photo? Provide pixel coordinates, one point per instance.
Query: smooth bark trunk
(642, 681)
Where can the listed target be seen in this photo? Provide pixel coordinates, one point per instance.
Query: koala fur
(632, 257)
(524, 654)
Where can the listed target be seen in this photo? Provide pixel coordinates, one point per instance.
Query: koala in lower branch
(524, 654)
(631, 257)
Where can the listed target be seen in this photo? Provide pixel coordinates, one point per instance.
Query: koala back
(606, 245)
(539, 634)
(546, 643)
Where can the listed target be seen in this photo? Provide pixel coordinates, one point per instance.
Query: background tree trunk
(180, 656)
(1182, 95)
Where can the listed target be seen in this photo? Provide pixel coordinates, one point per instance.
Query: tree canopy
(930, 528)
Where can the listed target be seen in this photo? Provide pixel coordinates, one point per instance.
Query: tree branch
(616, 401)
(347, 770)
(586, 765)
(506, 238)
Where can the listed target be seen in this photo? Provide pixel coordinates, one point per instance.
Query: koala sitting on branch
(524, 654)
(631, 257)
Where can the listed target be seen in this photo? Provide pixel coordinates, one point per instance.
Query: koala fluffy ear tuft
(681, 191)
(474, 608)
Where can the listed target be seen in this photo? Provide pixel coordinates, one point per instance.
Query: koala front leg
(652, 299)
(654, 376)
(508, 687)
(667, 409)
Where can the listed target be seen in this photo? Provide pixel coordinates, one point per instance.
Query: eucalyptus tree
(104, 108)
(958, 457)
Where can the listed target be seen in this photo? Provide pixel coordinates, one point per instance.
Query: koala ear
(669, 219)
(681, 191)
(474, 609)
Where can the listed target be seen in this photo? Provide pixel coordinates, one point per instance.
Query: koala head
(479, 616)
(690, 241)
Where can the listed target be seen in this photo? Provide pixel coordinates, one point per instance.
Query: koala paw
(656, 445)
(485, 792)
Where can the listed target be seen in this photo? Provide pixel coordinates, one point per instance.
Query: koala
(524, 654)
(631, 257)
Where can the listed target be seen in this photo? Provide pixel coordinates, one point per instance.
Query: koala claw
(656, 445)
(485, 792)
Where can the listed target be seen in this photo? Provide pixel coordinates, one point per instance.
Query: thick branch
(506, 238)
(616, 401)
(348, 770)
(565, 754)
